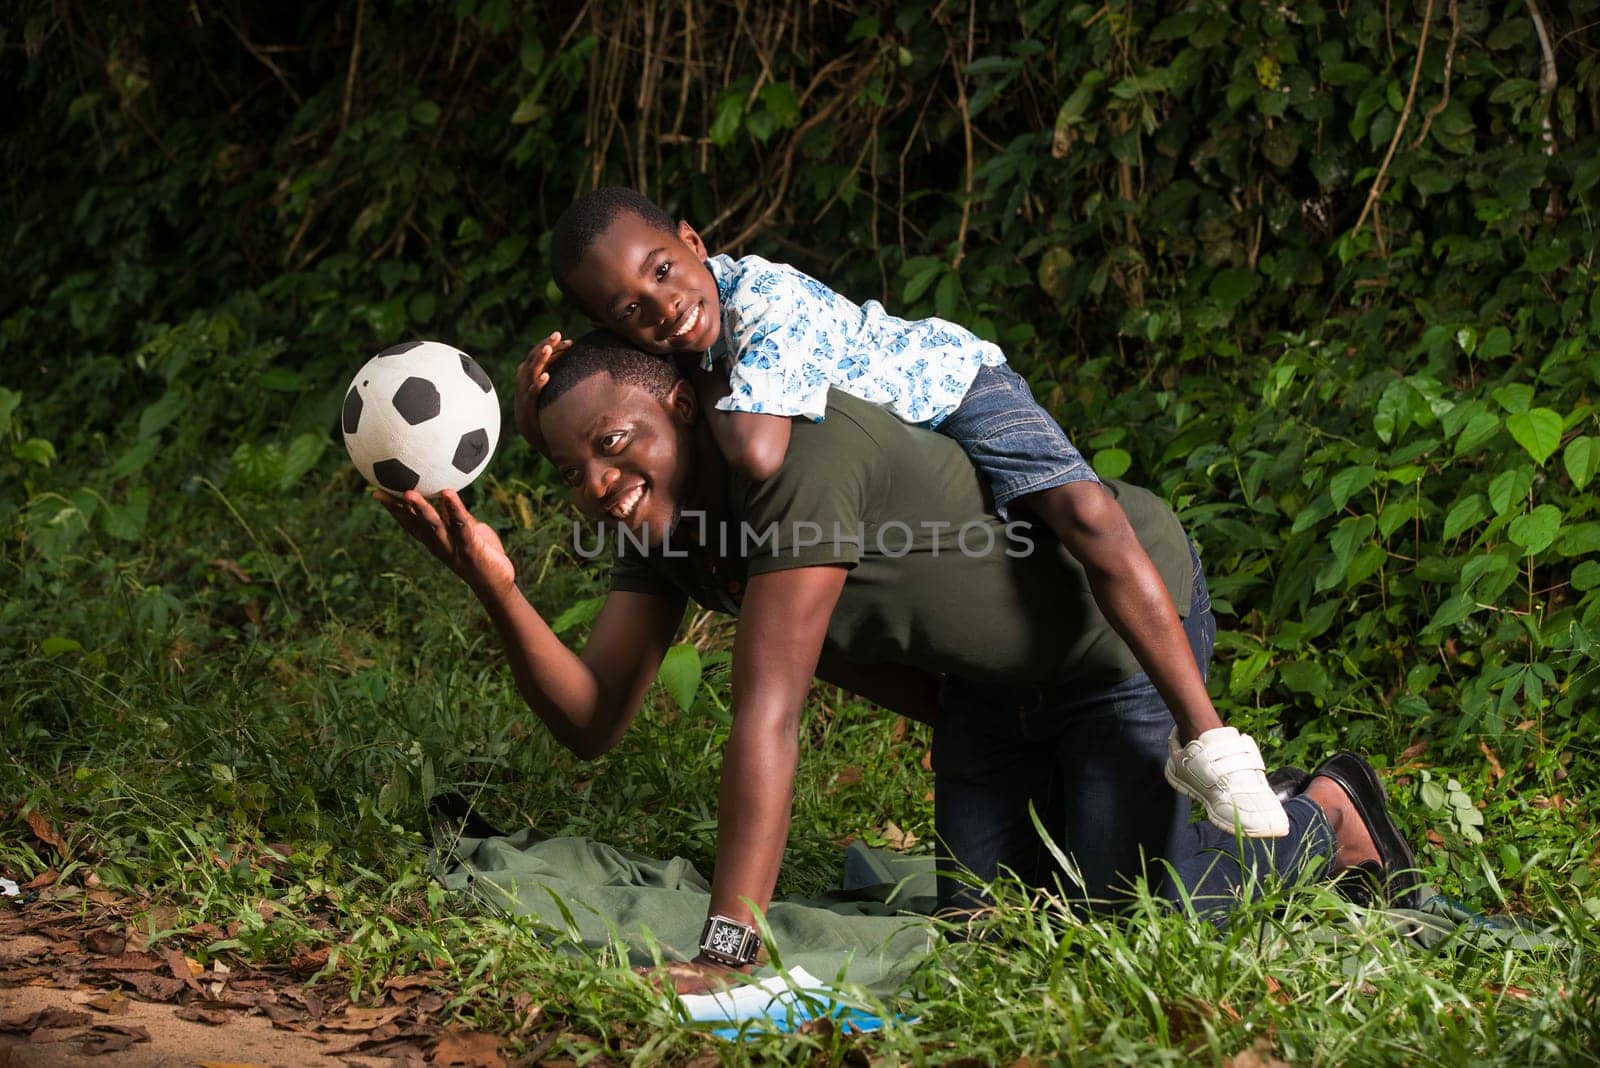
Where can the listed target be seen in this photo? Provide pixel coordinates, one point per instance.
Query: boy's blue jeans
(1089, 759)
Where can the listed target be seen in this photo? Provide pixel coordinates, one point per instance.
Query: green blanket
(873, 932)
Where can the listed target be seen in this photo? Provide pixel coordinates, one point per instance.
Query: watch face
(725, 938)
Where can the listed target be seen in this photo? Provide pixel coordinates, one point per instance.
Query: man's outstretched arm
(586, 700)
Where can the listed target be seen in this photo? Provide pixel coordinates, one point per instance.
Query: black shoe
(1361, 884)
(1397, 875)
(1287, 781)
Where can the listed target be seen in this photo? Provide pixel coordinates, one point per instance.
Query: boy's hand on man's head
(532, 374)
(466, 545)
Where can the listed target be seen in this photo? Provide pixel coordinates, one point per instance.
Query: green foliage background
(1375, 414)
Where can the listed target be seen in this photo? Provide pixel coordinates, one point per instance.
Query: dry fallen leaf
(847, 776)
(468, 1049)
(42, 880)
(1260, 1055)
(51, 1017)
(111, 1002)
(196, 1014)
(1494, 763)
(105, 943)
(114, 1038)
(43, 831)
(897, 839)
(356, 1018)
(182, 968)
(230, 567)
(154, 987)
(130, 962)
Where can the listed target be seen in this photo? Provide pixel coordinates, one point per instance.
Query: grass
(250, 705)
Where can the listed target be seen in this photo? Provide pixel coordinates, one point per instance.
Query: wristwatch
(729, 941)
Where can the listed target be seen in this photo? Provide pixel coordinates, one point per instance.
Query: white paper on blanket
(786, 1000)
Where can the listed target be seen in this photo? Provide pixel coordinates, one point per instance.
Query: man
(871, 559)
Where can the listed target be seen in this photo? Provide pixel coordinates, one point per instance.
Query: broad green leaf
(1479, 429)
(283, 380)
(1319, 509)
(1342, 74)
(578, 614)
(1368, 559)
(864, 28)
(1400, 510)
(1586, 576)
(425, 112)
(1452, 611)
(1348, 536)
(1112, 463)
(1433, 795)
(1509, 487)
(1053, 275)
(55, 644)
(1304, 676)
(126, 521)
(1515, 397)
(1537, 430)
(1580, 539)
(1229, 288)
(301, 456)
(1496, 342)
(157, 416)
(919, 282)
(730, 110)
(680, 674)
(528, 109)
(34, 451)
(134, 459)
(1246, 670)
(1401, 405)
(1535, 531)
(9, 399)
(1582, 460)
(1477, 567)
(421, 307)
(1349, 482)
(1465, 514)
(781, 103)
(947, 295)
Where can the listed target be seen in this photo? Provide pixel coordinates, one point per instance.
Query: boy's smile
(650, 286)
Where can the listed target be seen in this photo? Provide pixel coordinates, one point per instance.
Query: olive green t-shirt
(936, 581)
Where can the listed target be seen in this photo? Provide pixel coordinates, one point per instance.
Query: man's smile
(626, 503)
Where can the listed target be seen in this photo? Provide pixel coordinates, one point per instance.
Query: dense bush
(1325, 278)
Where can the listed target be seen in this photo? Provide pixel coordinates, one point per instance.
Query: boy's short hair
(601, 351)
(591, 215)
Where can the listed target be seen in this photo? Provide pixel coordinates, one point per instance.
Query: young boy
(777, 340)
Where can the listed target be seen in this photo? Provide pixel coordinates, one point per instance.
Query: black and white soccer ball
(421, 416)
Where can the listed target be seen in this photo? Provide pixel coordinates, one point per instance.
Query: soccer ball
(420, 416)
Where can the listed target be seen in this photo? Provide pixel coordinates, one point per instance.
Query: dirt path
(78, 985)
(92, 1036)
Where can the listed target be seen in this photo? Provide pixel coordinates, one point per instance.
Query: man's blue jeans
(1089, 760)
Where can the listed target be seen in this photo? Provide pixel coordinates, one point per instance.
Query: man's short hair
(591, 215)
(601, 351)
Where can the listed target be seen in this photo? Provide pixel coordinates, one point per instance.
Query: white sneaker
(1223, 770)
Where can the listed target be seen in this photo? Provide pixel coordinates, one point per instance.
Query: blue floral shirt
(786, 338)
